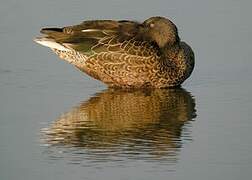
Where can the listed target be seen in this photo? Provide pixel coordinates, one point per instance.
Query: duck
(124, 53)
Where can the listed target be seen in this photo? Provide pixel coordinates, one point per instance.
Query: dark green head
(161, 30)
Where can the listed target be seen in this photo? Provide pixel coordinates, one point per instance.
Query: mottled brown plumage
(124, 54)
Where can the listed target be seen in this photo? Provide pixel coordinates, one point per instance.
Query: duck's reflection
(143, 124)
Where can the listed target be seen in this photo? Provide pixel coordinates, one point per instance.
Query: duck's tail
(51, 43)
(51, 39)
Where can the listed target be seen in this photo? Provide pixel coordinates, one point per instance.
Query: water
(56, 123)
(117, 125)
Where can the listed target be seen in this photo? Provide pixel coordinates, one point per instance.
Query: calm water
(57, 123)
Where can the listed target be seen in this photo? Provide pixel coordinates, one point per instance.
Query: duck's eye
(152, 25)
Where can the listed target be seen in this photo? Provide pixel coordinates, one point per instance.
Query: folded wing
(115, 51)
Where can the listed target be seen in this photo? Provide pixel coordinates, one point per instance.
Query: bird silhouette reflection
(141, 124)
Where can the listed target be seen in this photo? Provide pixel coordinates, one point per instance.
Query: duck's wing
(116, 52)
(90, 37)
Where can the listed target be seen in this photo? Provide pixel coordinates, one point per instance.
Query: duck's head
(161, 30)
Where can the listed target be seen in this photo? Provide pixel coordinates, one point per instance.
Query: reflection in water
(119, 125)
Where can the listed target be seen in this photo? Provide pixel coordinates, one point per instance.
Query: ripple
(119, 126)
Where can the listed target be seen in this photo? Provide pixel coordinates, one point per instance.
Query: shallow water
(56, 123)
(117, 126)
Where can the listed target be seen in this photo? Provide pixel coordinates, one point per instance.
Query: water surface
(117, 126)
(57, 123)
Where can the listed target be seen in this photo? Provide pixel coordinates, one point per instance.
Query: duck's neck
(170, 52)
(175, 64)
